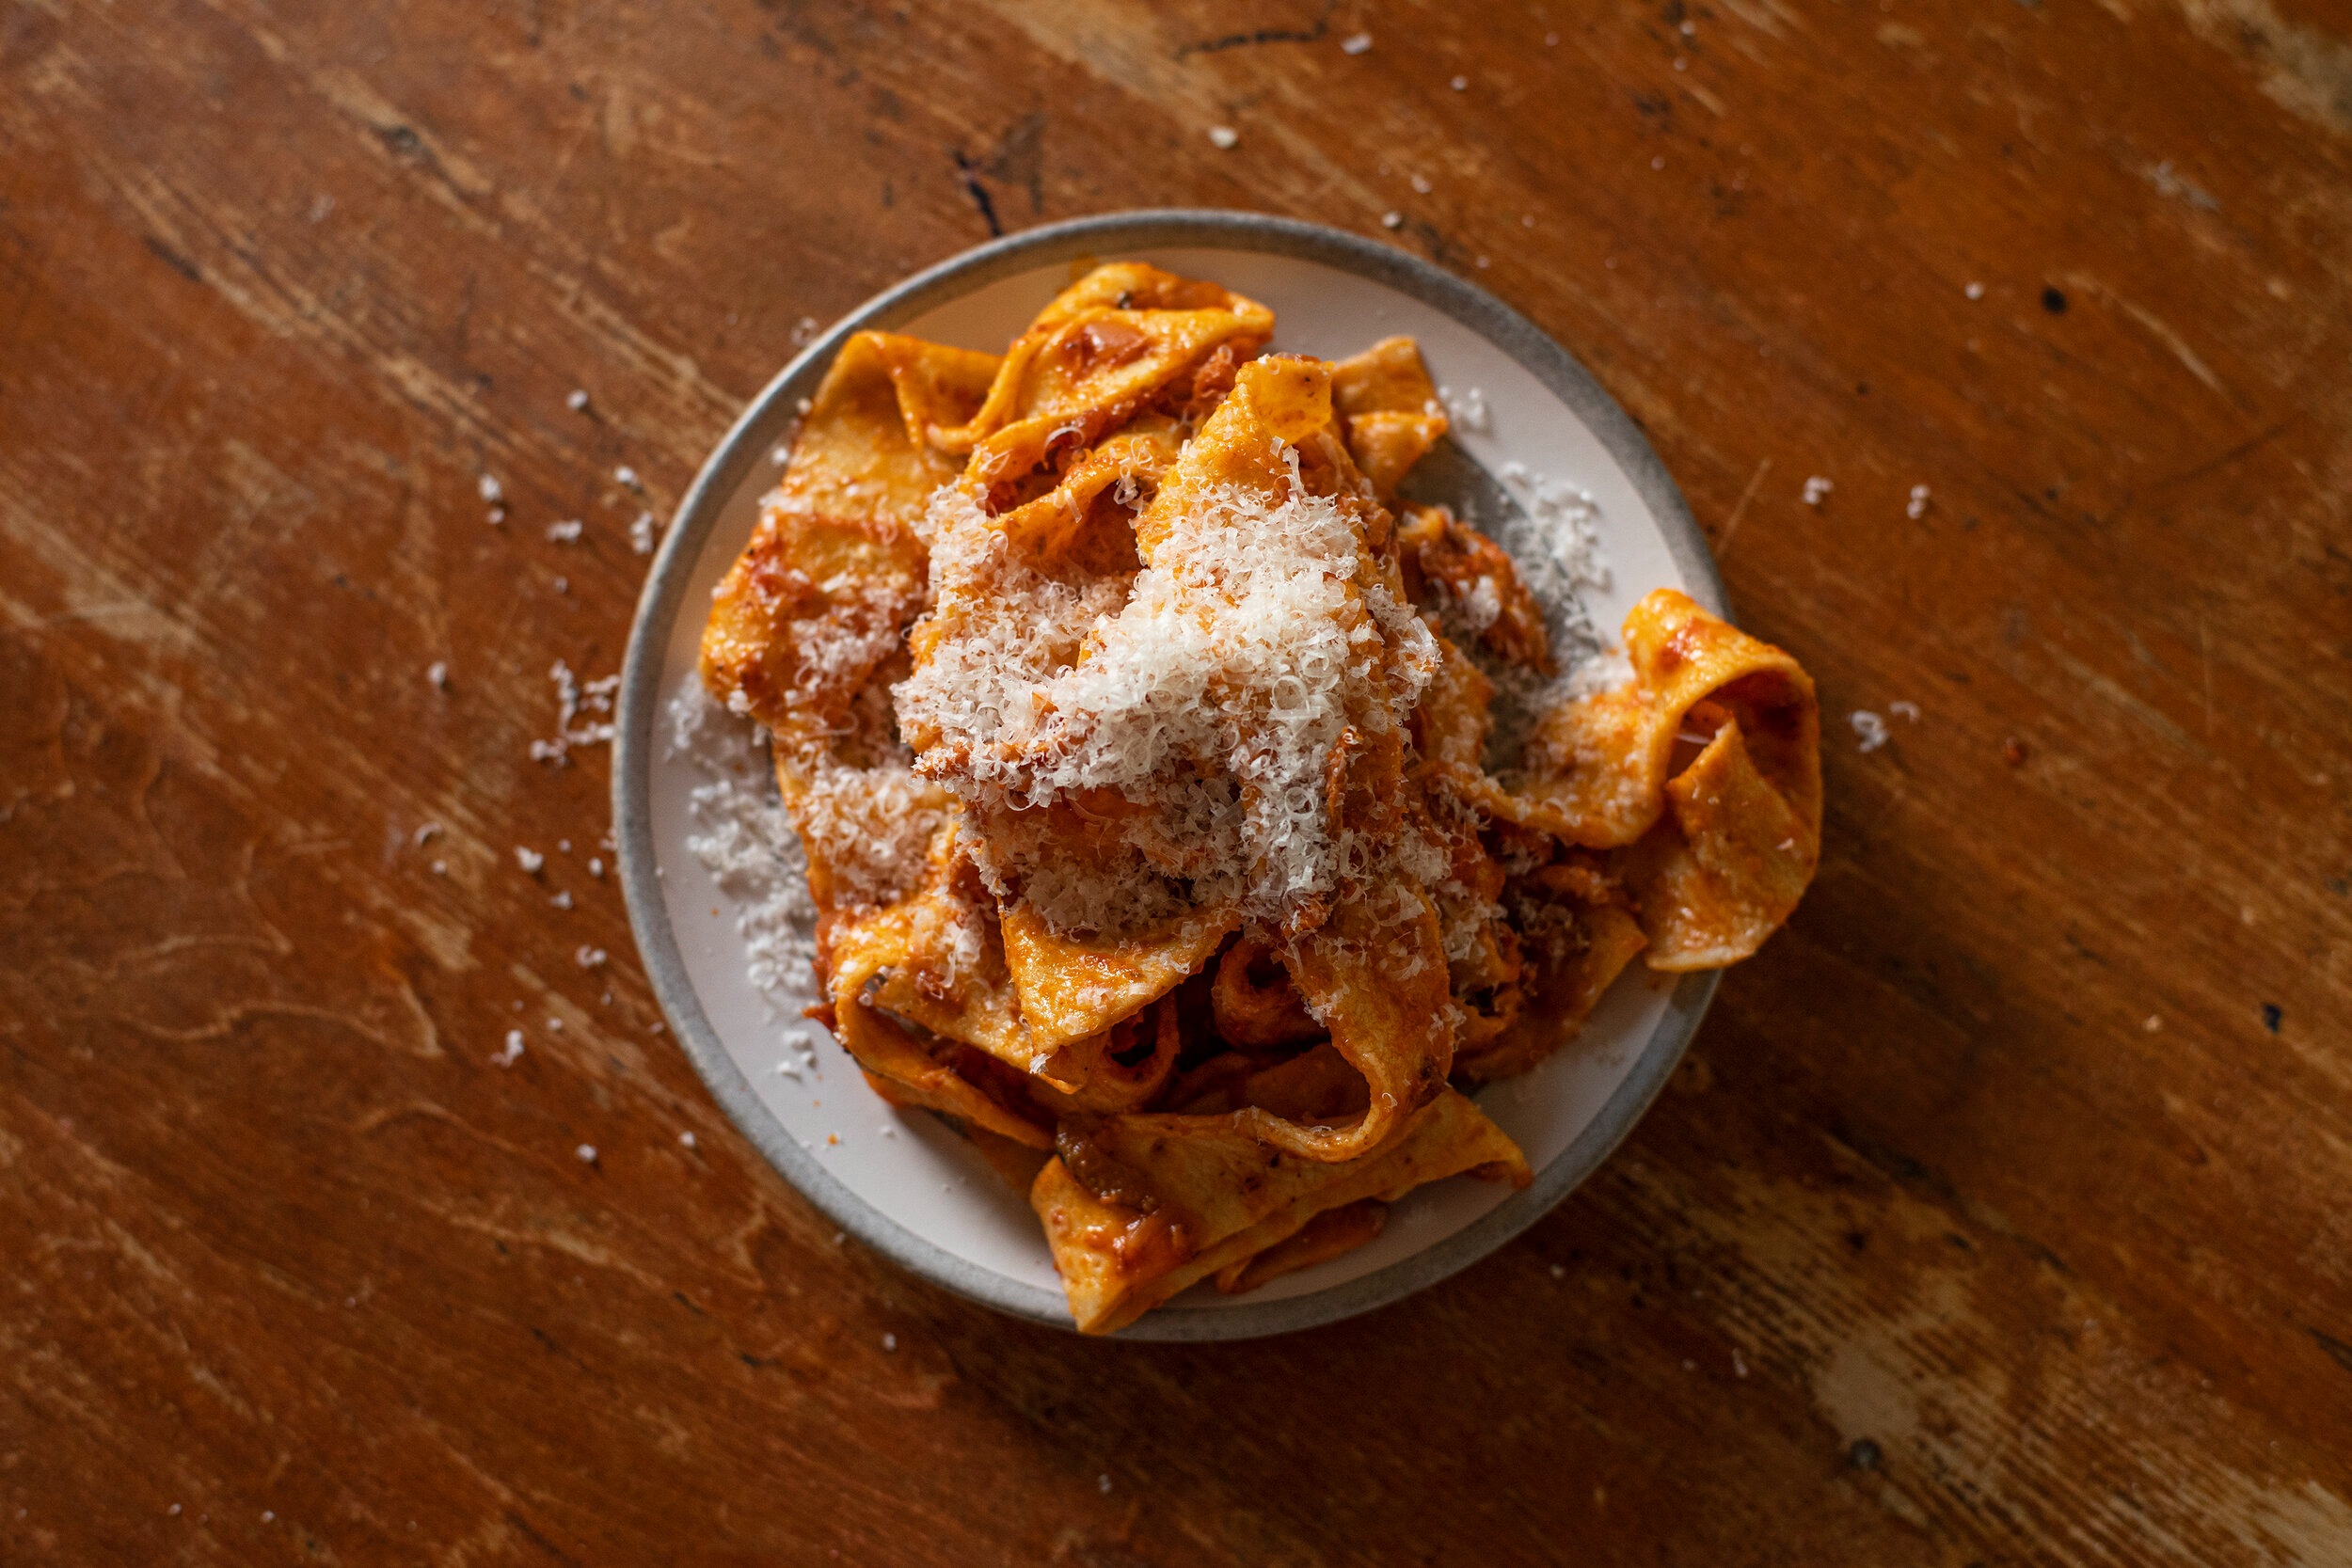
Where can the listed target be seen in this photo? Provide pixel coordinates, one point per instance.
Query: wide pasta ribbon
(1388, 409)
(1160, 1202)
(1376, 979)
(1721, 852)
(1091, 358)
(821, 594)
(859, 951)
(1073, 986)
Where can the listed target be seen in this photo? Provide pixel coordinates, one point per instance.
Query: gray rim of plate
(757, 433)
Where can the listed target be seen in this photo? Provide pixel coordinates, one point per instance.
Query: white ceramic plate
(902, 1181)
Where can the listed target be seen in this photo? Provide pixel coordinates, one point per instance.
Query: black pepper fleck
(2054, 301)
(1864, 1455)
(2273, 1016)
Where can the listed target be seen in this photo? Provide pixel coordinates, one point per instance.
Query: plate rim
(748, 441)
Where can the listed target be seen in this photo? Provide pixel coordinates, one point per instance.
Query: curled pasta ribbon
(1721, 850)
(1090, 360)
(1254, 1002)
(940, 1075)
(1123, 1069)
(1378, 983)
(937, 975)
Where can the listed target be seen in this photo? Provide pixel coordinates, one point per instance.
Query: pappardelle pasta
(1137, 731)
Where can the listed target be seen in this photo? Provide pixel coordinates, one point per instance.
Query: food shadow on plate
(1556, 548)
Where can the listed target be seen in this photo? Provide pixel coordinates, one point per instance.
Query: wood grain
(2001, 1216)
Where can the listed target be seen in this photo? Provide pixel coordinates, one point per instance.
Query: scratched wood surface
(2000, 1214)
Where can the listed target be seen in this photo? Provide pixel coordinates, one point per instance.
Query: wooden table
(2005, 1211)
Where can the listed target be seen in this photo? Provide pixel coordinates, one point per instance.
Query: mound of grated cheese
(1212, 695)
(871, 827)
(741, 835)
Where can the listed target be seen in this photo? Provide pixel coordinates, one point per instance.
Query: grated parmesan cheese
(871, 827)
(565, 533)
(1482, 606)
(1566, 540)
(1467, 410)
(1868, 728)
(743, 838)
(1356, 43)
(1554, 538)
(1214, 694)
(574, 696)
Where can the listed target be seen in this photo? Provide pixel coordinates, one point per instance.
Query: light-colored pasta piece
(1092, 359)
(901, 1068)
(1159, 1203)
(1390, 377)
(1597, 768)
(1377, 980)
(1388, 410)
(1333, 1233)
(1074, 986)
(1729, 865)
